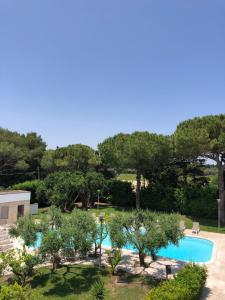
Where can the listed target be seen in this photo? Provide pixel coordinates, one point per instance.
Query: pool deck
(215, 284)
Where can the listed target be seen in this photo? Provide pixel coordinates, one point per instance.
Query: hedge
(187, 285)
(31, 186)
(196, 201)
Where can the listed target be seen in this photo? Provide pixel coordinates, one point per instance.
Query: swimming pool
(192, 249)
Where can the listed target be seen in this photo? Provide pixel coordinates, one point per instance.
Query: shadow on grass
(68, 280)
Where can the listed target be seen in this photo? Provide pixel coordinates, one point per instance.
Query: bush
(14, 292)
(196, 201)
(31, 186)
(21, 264)
(98, 290)
(187, 285)
(121, 193)
(114, 258)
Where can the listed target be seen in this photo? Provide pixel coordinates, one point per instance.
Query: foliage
(21, 264)
(20, 156)
(205, 137)
(99, 233)
(77, 232)
(98, 290)
(94, 181)
(197, 201)
(140, 151)
(145, 231)
(61, 189)
(15, 292)
(187, 285)
(51, 245)
(26, 228)
(71, 158)
(31, 186)
(114, 258)
(55, 217)
(120, 193)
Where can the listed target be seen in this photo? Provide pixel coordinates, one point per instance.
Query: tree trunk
(138, 189)
(221, 192)
(55, 262)
(142, 259)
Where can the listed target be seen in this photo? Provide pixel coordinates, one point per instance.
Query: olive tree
(145, 231)
(52, 244)
(77, 233)
(26, 228)
(140, 151)
(204, 137)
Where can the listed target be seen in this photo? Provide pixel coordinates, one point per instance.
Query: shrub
(14, 292)
(187, 285)
(21, 264)
(31, 186)
(121, 193)
(114, 258)
(98, 290)
(197, 201)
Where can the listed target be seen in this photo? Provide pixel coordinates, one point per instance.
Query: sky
(79, 71)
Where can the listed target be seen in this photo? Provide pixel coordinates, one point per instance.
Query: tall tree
(76, 157)
(204, 137)
(140, 151)
(19, 153)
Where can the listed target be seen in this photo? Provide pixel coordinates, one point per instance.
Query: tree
(99, 234)
(77, 233)
(145, 231)
(204, 137)
(55, 217)
(72, 158)
(20, 156)
(51, 245)
(61, 189)
(140, 151)
(26, 228)
(94, 182)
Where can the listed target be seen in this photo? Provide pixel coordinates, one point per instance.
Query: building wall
(12, 201)
(13, 211)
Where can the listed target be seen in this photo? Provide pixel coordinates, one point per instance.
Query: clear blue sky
(78, 71)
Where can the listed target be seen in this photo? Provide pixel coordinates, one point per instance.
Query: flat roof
(12, 192)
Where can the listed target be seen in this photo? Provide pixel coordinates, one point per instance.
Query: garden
(134, 189)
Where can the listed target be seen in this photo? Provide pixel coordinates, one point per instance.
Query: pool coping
(214, 250)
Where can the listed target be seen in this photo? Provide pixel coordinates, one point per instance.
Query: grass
(127, 177)
(75, 282)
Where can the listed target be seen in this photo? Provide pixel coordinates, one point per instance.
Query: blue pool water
(191, 249)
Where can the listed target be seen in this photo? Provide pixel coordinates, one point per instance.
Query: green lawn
(126, 177)
(75, 282)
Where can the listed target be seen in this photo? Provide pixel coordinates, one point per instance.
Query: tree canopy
(20, 156)
(140, 151)
(73, 158)
(205, 137)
